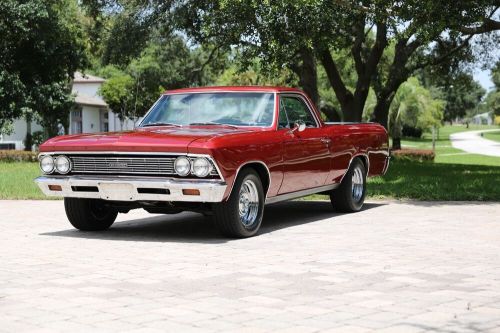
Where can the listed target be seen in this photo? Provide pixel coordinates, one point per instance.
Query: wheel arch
(261, 169)
(364, 159)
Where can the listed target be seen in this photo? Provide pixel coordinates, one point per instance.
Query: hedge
(18, 156)
(419, 155)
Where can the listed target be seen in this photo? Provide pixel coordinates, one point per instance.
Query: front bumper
(133, 188)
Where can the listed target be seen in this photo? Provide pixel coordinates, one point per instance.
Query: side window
(297, 110)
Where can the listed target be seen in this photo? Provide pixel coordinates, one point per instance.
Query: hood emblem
(117, 165)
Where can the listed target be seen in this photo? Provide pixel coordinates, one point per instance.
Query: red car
(221, 151)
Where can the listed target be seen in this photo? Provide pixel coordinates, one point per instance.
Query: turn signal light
(190, 192)
(55, 187)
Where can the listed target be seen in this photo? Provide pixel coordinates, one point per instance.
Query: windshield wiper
(213, 123)
(161, 124)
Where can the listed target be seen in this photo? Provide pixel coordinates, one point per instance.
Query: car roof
(272, 89)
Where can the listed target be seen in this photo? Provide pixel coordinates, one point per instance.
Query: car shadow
(195, 228)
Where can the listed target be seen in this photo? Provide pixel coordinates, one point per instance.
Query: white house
(483, 118)
(91, 114)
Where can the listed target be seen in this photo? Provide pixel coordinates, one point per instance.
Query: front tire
(89, 214)
(241, 215)
(350, 195)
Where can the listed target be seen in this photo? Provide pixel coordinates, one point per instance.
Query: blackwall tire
(89, 214)
(241, 215)
(350, 195)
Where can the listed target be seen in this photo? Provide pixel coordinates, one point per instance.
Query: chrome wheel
(357, 184)
(248, 203)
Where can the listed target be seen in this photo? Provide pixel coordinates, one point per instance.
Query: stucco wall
(90, 119)
(89, 89)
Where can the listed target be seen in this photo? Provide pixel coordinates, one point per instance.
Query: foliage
(458, 88)
(414, 106)
(166, 63)
(254, 75)
(117, 91)
(493, 98)
(41, 47)
(385, 41)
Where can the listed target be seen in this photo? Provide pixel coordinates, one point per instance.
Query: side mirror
(300, 126)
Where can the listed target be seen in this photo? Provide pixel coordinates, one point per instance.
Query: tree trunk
(350, 110)
(396, 143)
(28, 141)
(306, 70)
(381, 111)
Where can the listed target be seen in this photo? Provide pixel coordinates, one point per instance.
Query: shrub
(18, 156)
(418, 155)
(411, 132)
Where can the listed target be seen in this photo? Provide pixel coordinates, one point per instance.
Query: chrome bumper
(133, 188)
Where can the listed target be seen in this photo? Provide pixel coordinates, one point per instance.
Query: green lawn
(495, 136)
(16, 181)
(437, 181)
(445, 153)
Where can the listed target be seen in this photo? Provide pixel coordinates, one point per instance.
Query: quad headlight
(182, 166)
(62, 164)
(201, 167)
(47, 164)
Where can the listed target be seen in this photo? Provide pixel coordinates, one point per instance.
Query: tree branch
(334, 77)
(488, 25)
(209, 59)
(441, 59)
(357, 47)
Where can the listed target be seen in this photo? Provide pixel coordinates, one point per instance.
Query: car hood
(151, 139)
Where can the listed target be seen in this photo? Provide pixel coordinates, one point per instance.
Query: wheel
(89, 214)
(241, 215)
(350, 195)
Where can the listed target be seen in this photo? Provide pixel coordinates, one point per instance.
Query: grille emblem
(117, 165)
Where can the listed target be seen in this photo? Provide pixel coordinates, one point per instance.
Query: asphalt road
(394, 267)
(472, 142)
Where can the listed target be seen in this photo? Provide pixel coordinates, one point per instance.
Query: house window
(76, 121)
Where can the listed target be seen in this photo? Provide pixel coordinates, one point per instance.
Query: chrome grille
(144, 165)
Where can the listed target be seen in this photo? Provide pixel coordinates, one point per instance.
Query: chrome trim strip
(386, 166)
(40, 155)
(246, 163)
(302, 193)
(306, 102)
(210, 191)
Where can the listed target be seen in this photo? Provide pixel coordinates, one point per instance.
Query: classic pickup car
(220, 151)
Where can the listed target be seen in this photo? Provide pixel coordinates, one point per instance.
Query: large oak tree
(420, 33)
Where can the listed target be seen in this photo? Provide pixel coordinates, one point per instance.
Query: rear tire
(89, 214)
(241, 215)
(350, 195)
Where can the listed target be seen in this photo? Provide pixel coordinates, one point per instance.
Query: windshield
(227, 108)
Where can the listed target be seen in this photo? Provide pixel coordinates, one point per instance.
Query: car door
(306, 154)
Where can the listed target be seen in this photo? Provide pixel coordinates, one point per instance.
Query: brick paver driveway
(398, 267)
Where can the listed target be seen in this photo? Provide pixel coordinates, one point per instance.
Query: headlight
(182, 166)
(63, 164)
(47, 164)
(201, 167)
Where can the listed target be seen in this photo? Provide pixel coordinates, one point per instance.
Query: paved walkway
(473, 143)
(394, 267)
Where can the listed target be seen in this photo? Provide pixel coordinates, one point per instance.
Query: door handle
(326, 141)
